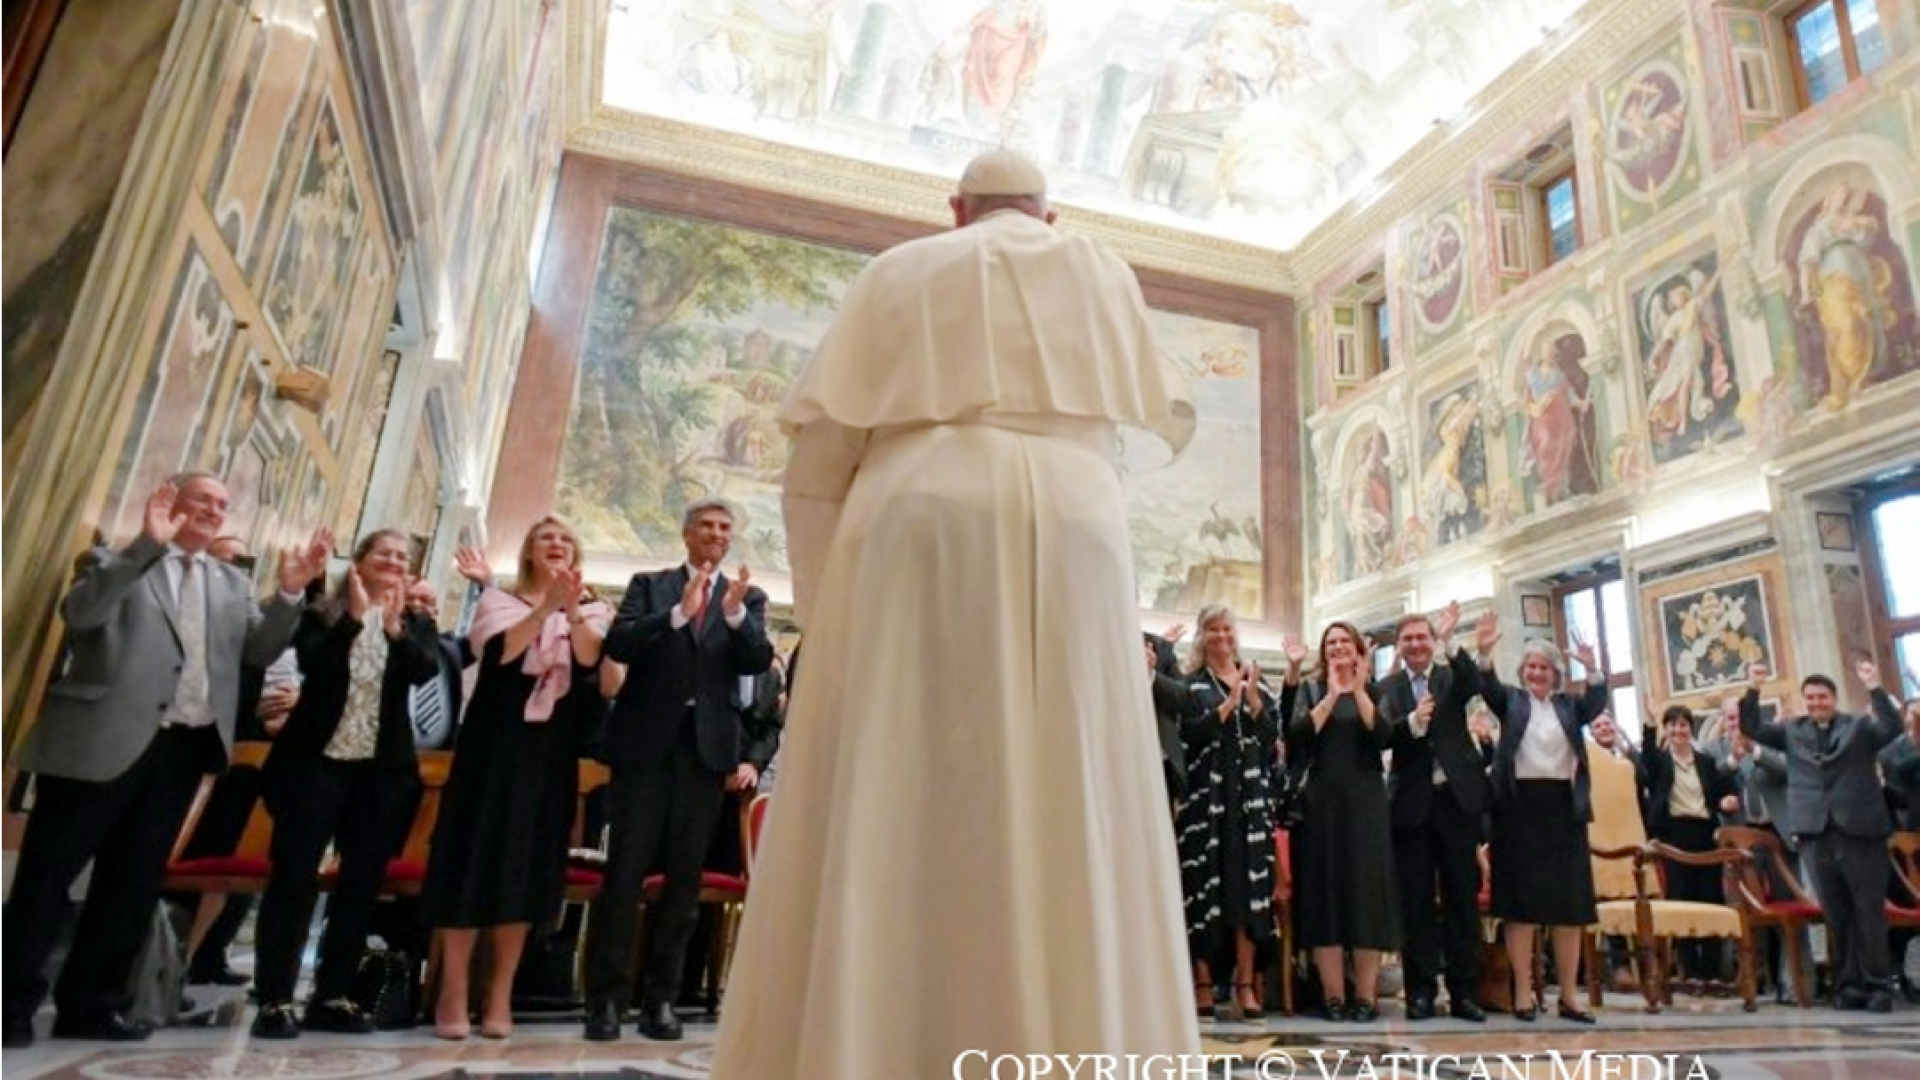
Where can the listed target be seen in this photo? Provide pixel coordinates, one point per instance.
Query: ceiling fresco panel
(1242, 119)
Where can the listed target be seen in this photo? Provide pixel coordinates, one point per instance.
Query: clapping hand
(1250, 686)
(693, 598)
(735, 601)
(472, 564)
(358, 599)
(1486, 634)
(1589, 660)
(1345, 677)
(565, 589)
(162, 522)
(1296, 651)
(299, 566)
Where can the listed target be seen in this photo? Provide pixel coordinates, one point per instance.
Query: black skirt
(1542, 870)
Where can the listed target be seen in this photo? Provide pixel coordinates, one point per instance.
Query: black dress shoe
(1420, 1008)
(1851, 998)
(217, 976)
(275, 1020)
(1575, 1013)
(106, 1027)
(338, 1015)
(658, 1023)
(1880, 1001)
(1467, 1009)
(603, 1022)
(18, 1032)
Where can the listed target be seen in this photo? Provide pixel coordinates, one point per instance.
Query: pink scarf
(549, 659)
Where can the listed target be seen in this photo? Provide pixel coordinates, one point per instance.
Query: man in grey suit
(145, 707)
(1835, 807)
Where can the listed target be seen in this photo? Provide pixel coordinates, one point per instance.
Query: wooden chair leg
(1790, 934)
(1746, 968)
(1646, 956)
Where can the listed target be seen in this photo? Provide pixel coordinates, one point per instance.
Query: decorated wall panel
(262, 354)
(1719, 321)
(1649, 148)
(693, 333)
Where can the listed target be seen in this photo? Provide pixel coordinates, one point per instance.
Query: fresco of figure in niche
(1692, 387)
(1852, 294)
(1453, 485)
(1559, 450)
(1367, 509)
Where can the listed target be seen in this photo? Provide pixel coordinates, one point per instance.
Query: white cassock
(970, 847)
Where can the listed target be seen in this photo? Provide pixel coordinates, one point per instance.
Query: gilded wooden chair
(1769, 895)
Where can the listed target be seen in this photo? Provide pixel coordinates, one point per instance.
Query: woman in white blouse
(1543, 802)
(341, 772)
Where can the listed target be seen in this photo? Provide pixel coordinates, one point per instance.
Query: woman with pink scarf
(500, 846)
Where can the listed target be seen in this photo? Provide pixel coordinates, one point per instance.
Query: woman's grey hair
(1545, 650)
(1212, 613)
(701, 506)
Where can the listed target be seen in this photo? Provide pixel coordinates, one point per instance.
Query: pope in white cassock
(970, 847)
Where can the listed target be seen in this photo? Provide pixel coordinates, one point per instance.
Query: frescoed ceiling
(1249, 120)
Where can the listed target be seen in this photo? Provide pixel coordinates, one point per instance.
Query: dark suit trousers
(336, 801)
(127, 827)
(1438, 860)
(1850, 876)
(661, 812)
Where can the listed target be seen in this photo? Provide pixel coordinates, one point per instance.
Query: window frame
(1616, 679)
(1543, 193)
(1849, 48)
(1888, 628)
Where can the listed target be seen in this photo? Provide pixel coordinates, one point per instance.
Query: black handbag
(385, 989)
(1290, 798)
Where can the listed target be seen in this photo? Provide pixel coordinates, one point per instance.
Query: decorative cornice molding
(1432, 166)
(708, 154)
(1435, 165)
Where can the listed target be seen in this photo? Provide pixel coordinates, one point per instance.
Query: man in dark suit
(676, 746)
(1439, 796)
(1836, 808)
(1165, 664)
(145, 707)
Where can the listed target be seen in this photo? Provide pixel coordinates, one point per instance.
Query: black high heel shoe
(1575, 1013)
(1336, 1010)
(1363, 1012)
(1528, 1014)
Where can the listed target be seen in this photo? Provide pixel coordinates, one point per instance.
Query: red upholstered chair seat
(710, 881)
(1797, 909)
(580, 875)
(221, 866)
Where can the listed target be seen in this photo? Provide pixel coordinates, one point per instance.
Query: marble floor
(1697, 1038)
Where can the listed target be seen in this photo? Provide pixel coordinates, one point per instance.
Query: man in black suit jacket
(676, 747)
(1439, 797)
(1836, 808)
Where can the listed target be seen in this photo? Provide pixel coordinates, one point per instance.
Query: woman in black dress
(1230, 727)
(340, 772)
(1542, 803)
(500, 846)
(1343, 883)
(1685, 792)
